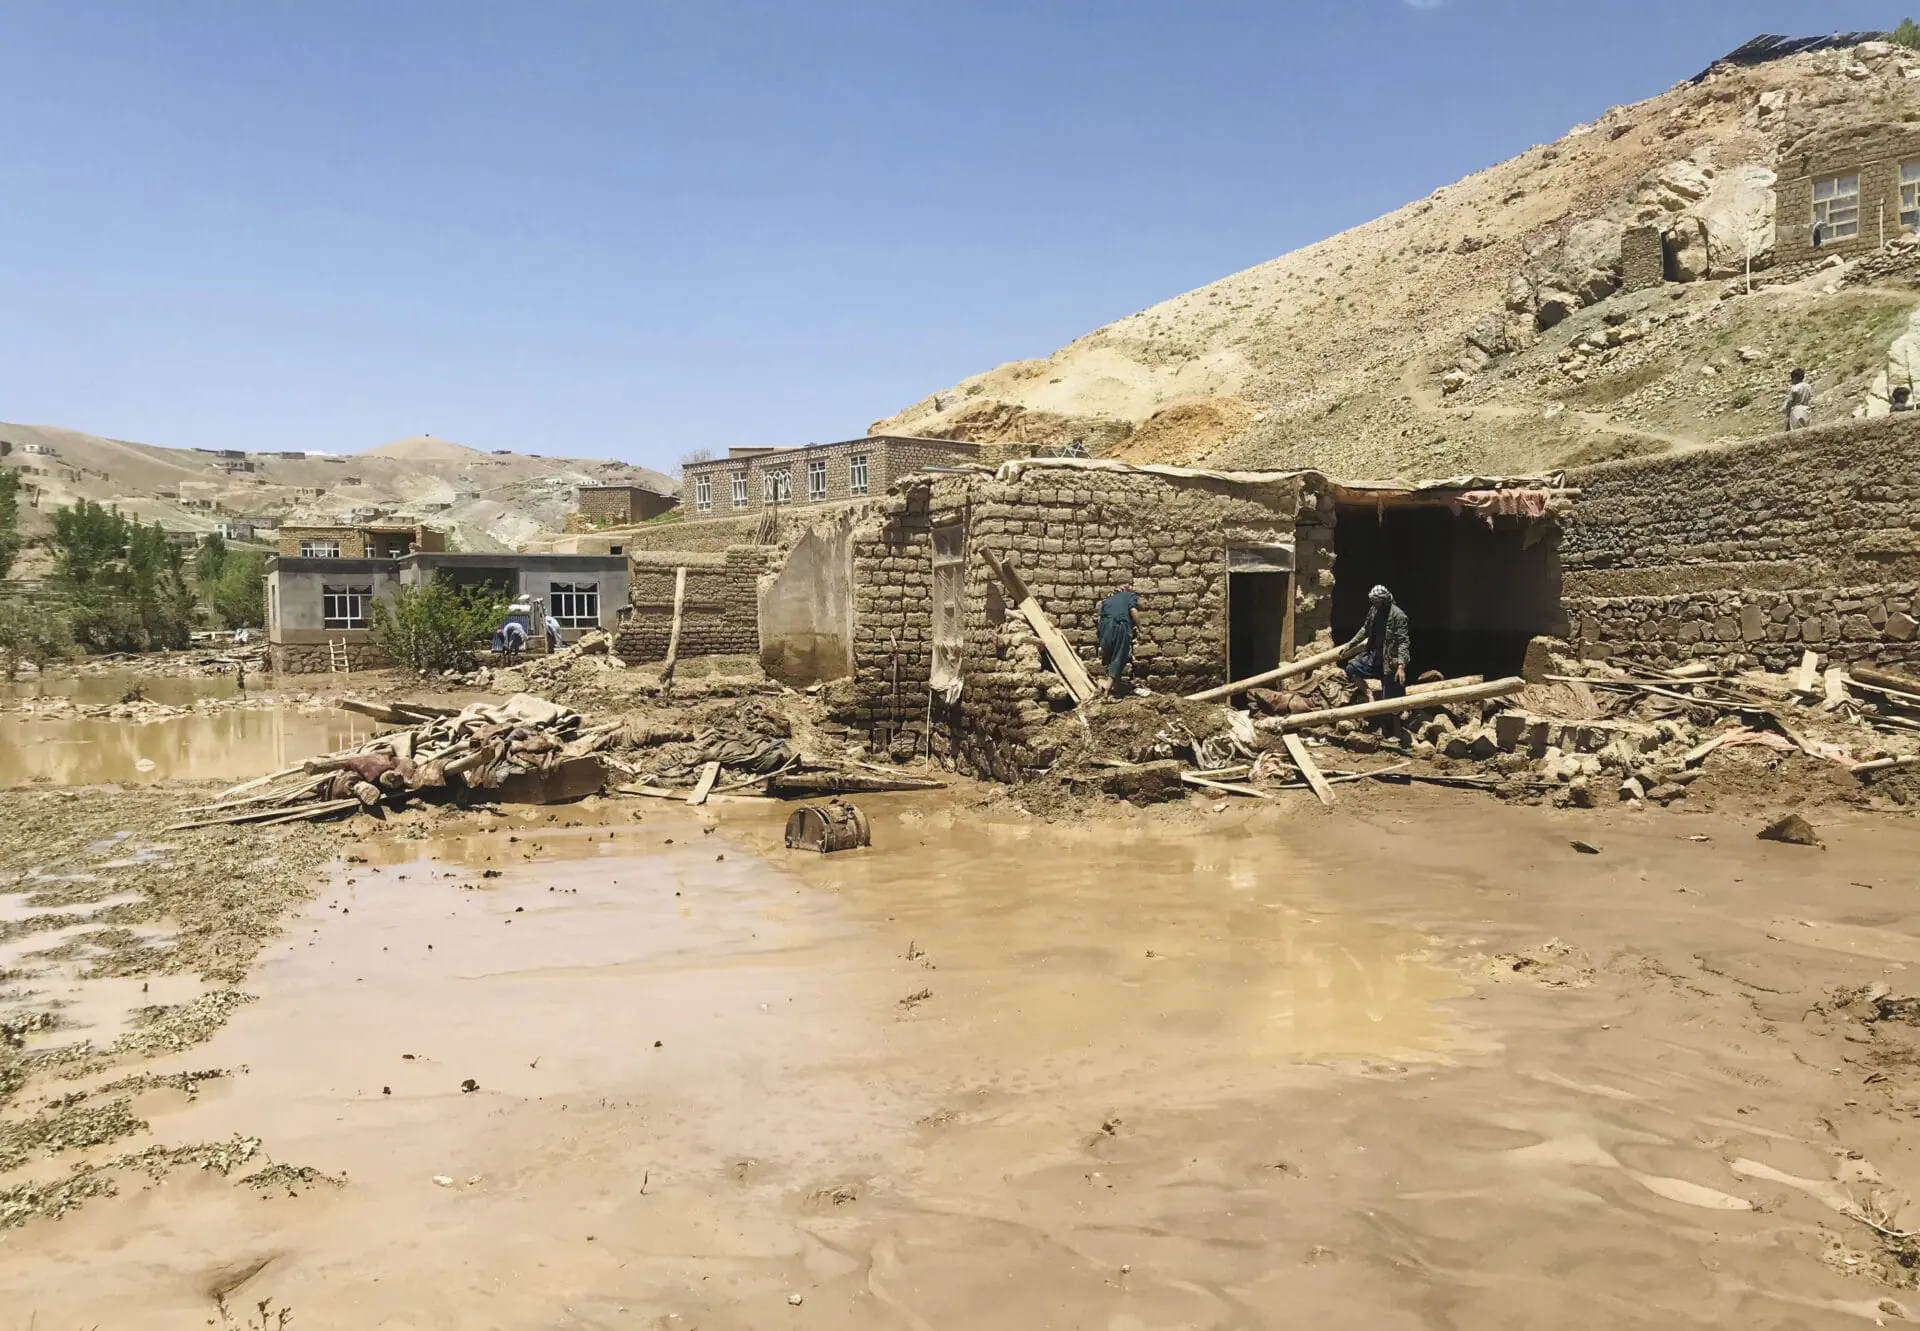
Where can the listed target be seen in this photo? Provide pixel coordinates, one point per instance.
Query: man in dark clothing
(1382, 647)
(1119, 617)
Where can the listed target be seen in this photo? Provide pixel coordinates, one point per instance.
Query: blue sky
(632, 229)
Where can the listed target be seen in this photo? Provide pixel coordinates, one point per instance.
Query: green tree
(1907, 34)
(210, 559)
(238, 596)
(33, 632)
(9, 520)
(125, 585)
(438, 626)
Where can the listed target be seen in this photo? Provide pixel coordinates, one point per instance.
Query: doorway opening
(1474, 594)
(1259, 608)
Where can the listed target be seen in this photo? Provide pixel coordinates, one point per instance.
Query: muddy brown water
(1257, 1071)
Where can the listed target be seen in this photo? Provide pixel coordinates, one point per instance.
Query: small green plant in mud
(263, 1317)
(437, 627)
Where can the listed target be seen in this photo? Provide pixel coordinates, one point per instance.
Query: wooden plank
(1697, 754)
(662, 793)
(1809, 668)
(1073, 672)
(1308, 769)
(1226, 787)
(673, 636)
(709, 773)
(1498, 688)
(1414, 690)
(1286, 671)
(1834, 684)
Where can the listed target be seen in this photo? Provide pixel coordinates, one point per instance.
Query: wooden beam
(1885, 679)
(1065, 660)
(1809, 669)
(1414, 690)
(1308, 769)
(1883, 765)
(709, 773)
(1286, 671)
(673, 637)
(1223, 786)
(1498, 688)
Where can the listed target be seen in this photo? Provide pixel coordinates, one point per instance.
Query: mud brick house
(1759, 550)
(750, 479)
(621, 505)
(357, 541)
(320, 608)
(1235, 570)
(1859, 186)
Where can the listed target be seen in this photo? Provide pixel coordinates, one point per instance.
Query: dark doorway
(1256, 621)
(1474, 594)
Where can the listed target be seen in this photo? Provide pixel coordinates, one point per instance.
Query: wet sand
(1413, 1063)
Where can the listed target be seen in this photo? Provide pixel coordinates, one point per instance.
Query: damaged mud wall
(720, 614)
(1764, 550)
(1076, 536)
(806, 606)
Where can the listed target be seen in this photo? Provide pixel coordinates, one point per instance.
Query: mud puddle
(1418, 1063)
(227, 745)
(112, 687)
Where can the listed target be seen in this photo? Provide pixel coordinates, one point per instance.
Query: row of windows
(776, 487)
(575, 605)
(1836, 204)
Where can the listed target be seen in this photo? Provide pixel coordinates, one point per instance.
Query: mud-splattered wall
(719, 615)
(1763, 549)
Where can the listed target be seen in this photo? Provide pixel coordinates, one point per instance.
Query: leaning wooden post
(673, 637)
(1498, 688)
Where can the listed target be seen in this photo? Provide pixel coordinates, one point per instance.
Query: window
(616, 549)
(857, 474)
(777, 487)
(739, 489)
(1836, 208)
(1910, 195)
(817, 480)
(575, 604)
(319, 549)
(344, 607)
(703, 494)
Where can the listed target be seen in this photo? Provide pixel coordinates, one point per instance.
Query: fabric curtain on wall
(949, 604)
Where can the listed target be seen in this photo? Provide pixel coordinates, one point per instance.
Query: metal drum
(835, 825)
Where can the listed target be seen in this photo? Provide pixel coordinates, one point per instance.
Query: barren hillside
(1482, 327)
(487, 501)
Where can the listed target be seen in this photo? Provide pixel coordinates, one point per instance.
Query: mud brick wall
(1643, 258)
(311, 658)
(1763, 549)
(1076, 536)
(1875, 152)
(719, 616)
(704, 535)
(620, 505)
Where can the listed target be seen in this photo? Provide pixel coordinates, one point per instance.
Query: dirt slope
(1338, 354)
(489, 501)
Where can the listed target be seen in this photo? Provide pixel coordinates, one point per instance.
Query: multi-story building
(302, 541)
(749, 479)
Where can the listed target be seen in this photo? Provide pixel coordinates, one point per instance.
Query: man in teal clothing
(1119, 617)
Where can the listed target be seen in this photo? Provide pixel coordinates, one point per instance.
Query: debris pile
(525, 750)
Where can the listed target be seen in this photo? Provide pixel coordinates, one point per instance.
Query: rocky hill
(1484, 328)
(487, 501)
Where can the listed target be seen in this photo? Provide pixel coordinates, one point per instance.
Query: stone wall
(719, 615)
(1643, 258)
(1763, 549)
(1076, 536)
(1875, 153)
(309, 658)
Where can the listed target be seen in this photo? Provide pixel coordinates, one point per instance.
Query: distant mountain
(487, 501)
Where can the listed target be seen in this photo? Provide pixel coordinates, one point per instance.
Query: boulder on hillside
(1737, 216)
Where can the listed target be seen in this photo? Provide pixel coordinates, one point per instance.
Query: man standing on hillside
(1799, 401)
(1382, 647)
(1119, 617)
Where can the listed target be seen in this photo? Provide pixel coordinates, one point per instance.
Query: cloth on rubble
(759, 754)
(523, 709)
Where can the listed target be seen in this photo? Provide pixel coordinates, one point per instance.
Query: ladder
(338, 662)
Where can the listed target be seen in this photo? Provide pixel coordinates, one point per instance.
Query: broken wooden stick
(673, 635)
(1304, 761)
(1287, 671)
(1498, 688)
(1883, 765)
(1065, 660)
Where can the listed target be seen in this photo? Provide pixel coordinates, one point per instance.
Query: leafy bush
(9, 520)
(438, 626)
(33, 632)
(124, 584)
(1908, 34)
(232, 583)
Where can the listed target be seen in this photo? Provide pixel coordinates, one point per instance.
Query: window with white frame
(817, 480)
(1836, 207)
(739, 489)
(857, 474)
(1910, 195)
(703, 494)
(344, 607)
(576, 605)
(777, 487)
(319, 549)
